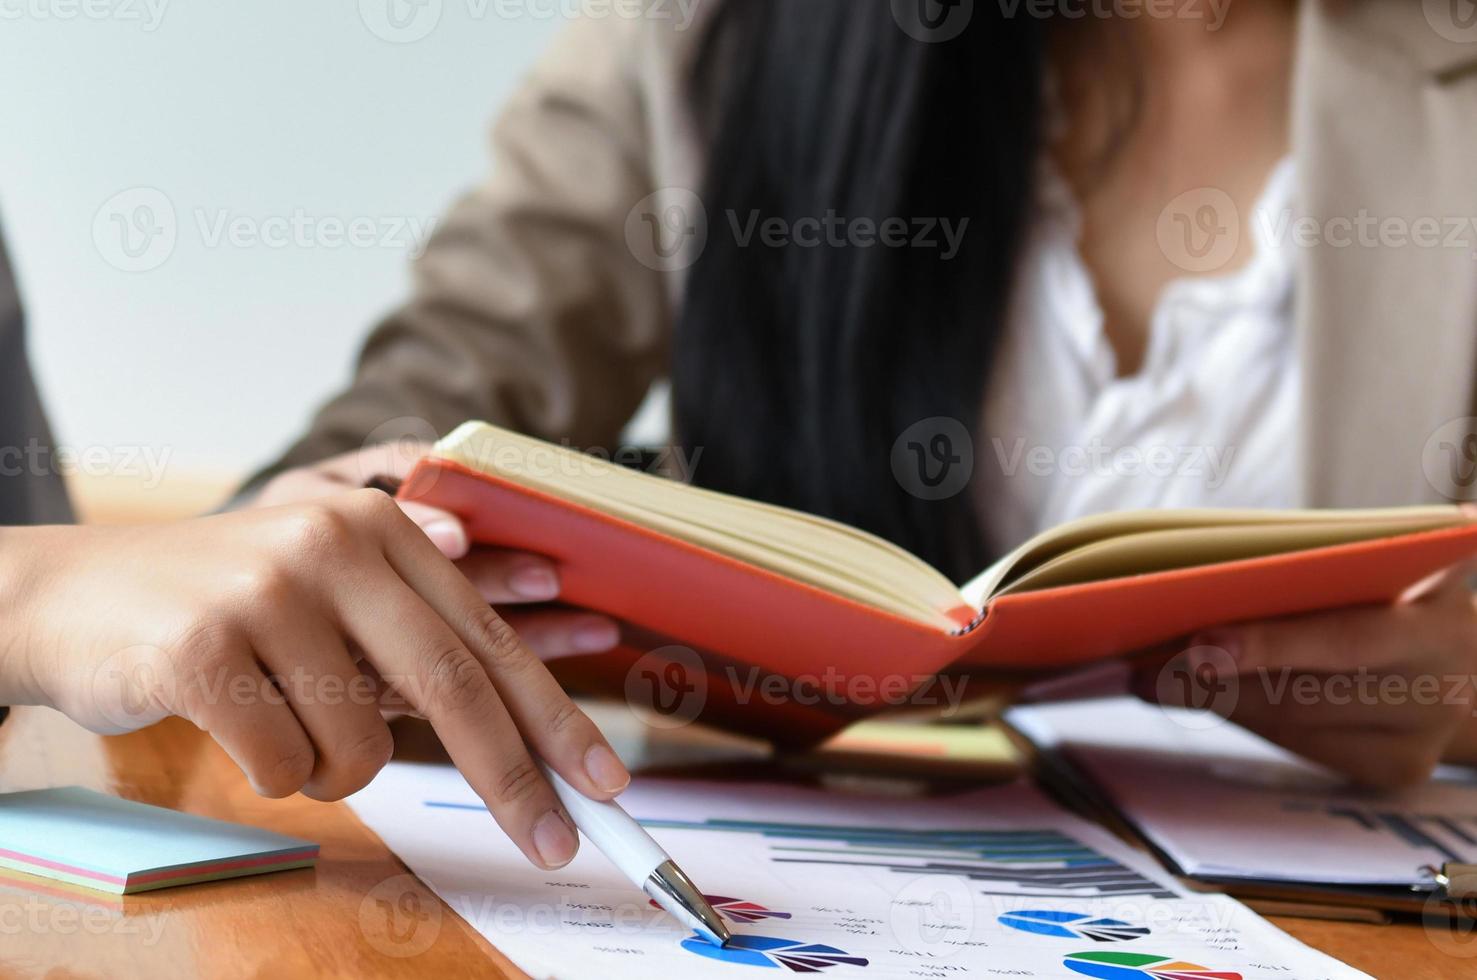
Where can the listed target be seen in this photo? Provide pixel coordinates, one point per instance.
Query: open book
(753, 584)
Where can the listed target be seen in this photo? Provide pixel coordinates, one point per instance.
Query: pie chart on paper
(1072, 925)
(1141, 966)
(771, 951)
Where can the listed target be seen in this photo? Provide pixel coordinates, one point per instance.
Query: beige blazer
(532, 308)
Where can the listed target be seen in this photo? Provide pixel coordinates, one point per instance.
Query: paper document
(997, 882)
(1224, 803)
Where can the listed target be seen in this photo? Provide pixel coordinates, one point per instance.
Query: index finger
(550, 721)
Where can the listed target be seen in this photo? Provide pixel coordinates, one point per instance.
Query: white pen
(631, 849)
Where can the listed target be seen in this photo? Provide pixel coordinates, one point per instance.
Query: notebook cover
(746, 622)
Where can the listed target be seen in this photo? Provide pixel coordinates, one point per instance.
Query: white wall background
(264, 113)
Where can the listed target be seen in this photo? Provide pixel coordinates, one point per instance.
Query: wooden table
(359, 913)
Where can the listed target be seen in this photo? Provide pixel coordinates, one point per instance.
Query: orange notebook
(789, 626)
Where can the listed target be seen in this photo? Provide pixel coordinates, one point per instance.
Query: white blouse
(1209, 421)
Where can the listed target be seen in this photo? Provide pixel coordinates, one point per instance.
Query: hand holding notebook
(757, 586)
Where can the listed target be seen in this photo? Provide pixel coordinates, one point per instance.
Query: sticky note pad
(98, 841)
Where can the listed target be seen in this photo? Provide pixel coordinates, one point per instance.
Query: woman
(1136, 271)
(279, 632)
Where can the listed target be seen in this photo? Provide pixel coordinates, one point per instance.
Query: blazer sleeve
(528, 310)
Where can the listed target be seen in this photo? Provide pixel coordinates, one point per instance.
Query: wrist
(28, 556)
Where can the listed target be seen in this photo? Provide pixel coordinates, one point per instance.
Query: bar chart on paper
(1027, 863)
(998, 880)
(1258, 813)
(1447, 836)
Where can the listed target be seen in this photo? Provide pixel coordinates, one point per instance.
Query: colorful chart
(1072, 925)
(1018, 863)
(772, 952)
(1140, 966)
(738, 910)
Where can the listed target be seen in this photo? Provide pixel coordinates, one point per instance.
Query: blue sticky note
(98, 841)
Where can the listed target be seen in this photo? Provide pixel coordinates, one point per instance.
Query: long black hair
(796, 368)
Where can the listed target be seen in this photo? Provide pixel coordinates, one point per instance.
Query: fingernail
(555, 840)
(596, 636)
(536, 582)
(448, 537)
(606, 770)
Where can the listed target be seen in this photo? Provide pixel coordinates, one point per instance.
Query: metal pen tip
(675, 892)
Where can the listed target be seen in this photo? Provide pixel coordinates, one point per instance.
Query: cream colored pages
(864, 568)
(1135, 542)
(809, 549)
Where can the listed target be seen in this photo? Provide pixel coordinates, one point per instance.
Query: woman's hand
(1380, 694)
(277, 631)
(505, 578)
